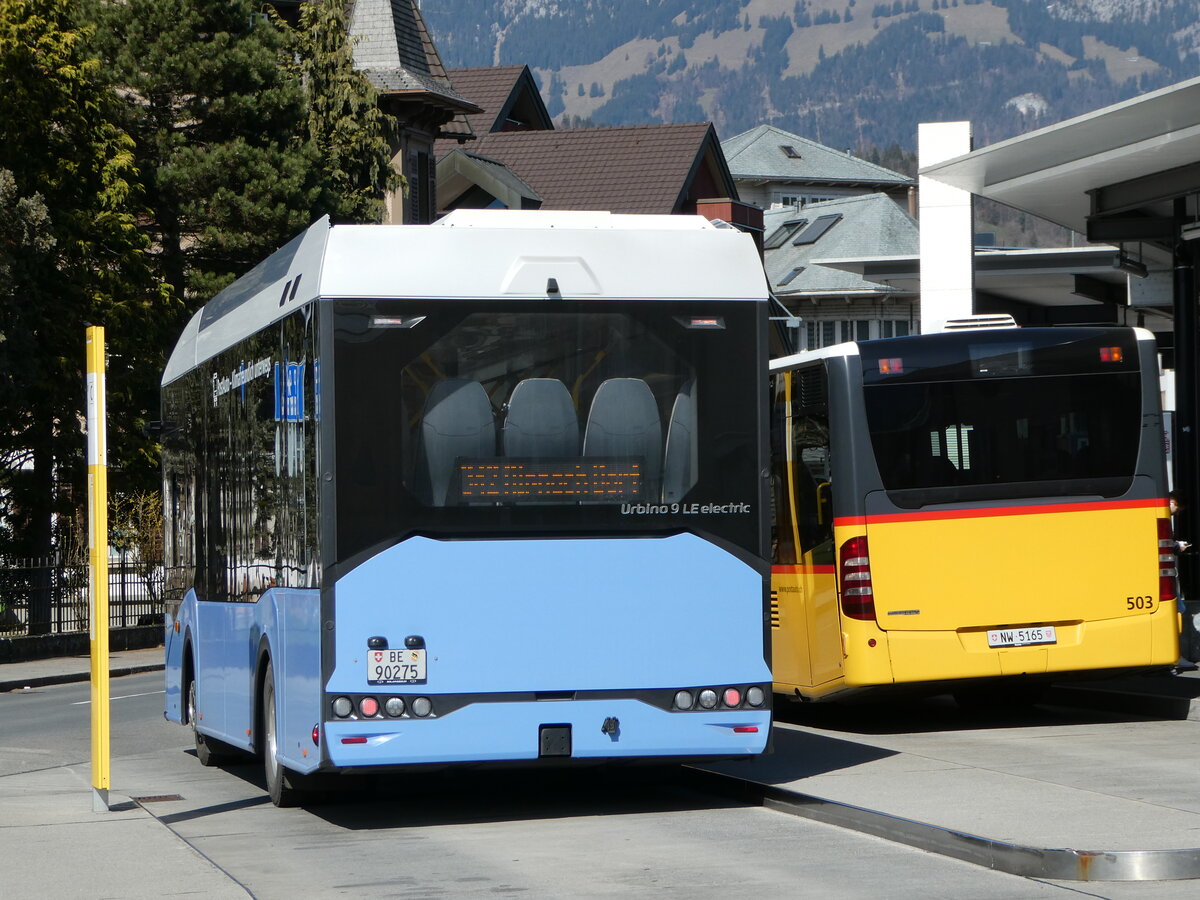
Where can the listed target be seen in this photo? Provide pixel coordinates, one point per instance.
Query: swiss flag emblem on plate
(378, 656)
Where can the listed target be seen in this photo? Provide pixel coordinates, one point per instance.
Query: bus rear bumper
(618, 729)
(916, 656)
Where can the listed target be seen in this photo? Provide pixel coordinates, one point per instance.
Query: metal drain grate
(157, 798)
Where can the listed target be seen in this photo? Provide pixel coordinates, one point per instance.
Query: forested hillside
(847, 73)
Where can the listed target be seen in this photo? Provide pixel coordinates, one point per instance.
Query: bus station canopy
(1112, 174)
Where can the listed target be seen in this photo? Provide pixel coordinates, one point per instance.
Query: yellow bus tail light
(1168, 569)
(858, 597)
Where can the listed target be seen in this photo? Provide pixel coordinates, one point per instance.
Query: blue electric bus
(485, 491)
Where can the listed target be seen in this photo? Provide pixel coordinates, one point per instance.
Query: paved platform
(56, 845)
(1121, 782)
(1118, 781)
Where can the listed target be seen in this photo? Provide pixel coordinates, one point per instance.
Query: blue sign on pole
(289, 392)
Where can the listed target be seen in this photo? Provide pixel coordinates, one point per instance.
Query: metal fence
(49, 597)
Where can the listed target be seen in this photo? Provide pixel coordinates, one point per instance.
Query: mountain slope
(847, 73)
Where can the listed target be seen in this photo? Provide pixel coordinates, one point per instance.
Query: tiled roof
(488, 88)
(760, 153)
(870, 225)
(458, 159)
(392, 47)
(631, 169)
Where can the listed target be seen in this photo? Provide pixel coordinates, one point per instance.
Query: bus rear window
(533, 418)
(1006, 436)
(532, 409)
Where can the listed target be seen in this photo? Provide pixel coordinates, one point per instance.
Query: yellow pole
(98, 564)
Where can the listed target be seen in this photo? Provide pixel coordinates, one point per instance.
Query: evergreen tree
(71, 255)
(554, 96)
(345, 124)
(215, 104)
(24, 229)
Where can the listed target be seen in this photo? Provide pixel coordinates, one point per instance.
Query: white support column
(947, 228)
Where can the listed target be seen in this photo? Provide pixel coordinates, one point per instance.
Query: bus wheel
(209, 751)
(282, 784)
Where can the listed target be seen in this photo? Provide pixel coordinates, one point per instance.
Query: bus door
(807, 649)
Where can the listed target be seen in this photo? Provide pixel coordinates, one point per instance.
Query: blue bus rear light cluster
(371, 707)
(711, 698)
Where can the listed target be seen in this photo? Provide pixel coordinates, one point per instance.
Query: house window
(422, 188)
(789, 151)
(787, 279)
(813, 232)
(780, 235)
(799, 200)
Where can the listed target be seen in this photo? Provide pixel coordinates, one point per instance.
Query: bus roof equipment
(496, 253)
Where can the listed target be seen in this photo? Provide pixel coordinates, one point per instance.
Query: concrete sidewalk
(1106, 783)
(34, 673)
(1045, 788)
(55, 845)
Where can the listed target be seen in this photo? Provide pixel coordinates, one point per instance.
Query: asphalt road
(474, 834)
(51, 726)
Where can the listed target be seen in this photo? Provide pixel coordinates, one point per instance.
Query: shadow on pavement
(943, 713)
(459, 796)
(800, 754)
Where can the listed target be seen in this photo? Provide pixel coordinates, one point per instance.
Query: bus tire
(282, 784)
(209, 750)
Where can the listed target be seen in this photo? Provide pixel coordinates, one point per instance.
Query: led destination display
(570, 480)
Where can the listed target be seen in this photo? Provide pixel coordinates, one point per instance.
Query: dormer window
(780, 235)
(787, 279)
(813, 232)
(789, 151)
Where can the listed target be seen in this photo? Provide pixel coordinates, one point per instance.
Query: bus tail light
(1168, 568)
(712, 698)
(858, 597)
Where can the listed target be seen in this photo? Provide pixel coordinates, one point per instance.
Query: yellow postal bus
(955, 509)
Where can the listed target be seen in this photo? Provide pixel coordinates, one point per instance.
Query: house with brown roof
(395, 52)
(500, 149)
(518, 160)
(633, 169)
(508, 100)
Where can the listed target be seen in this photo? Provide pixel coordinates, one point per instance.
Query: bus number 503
(1139, 603)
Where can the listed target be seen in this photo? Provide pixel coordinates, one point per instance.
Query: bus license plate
(1022, 637)
(395, 666)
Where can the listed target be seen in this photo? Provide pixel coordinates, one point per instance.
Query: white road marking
(124, 697)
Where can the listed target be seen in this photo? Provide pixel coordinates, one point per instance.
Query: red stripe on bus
(800, 570)
(997, 511)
